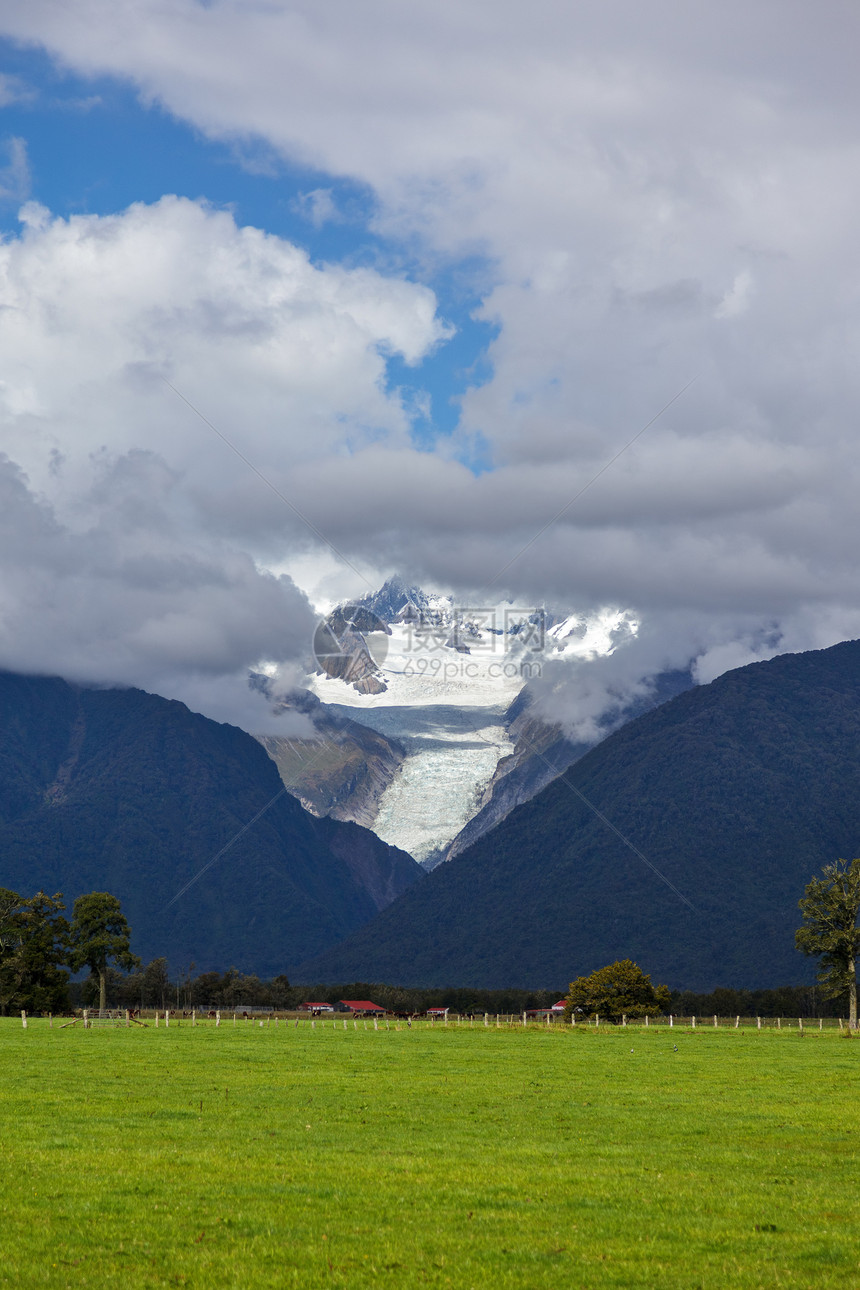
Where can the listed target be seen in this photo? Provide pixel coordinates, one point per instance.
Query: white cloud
(133, 548)
(15, 174)
(656, 200)
(318, 207)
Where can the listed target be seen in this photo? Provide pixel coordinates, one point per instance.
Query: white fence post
(24, 1019)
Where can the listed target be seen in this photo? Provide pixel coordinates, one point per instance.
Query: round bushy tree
(620, 989)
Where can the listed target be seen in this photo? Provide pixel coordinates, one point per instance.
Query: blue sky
(94, 147)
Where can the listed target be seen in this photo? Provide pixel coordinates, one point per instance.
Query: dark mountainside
(541, 753)
(738, 791)
(123, 791)
(343, 770)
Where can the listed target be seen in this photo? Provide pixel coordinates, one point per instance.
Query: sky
(554, 302)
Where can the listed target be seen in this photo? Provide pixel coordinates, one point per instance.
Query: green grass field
(276, 1156)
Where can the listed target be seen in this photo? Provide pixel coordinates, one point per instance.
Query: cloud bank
(657, 194)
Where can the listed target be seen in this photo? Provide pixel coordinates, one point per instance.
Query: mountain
(122, 791)
(442, 684)
(541, 752)
(737, 792)
(343, 770)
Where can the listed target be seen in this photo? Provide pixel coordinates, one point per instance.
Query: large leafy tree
(830, 906)
(100, 935)
(617, 990)
(33, 949)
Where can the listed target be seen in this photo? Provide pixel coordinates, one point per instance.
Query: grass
(276, 1156)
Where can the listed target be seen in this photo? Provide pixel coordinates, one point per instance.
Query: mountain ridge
(737, 792)
(125, 791)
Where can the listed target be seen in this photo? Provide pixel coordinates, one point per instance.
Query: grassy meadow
(283, 1156)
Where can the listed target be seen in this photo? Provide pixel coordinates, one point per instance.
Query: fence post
(624, 1018)
(167, 1018)
(157, 1015)
(779, 1023)
(572, 1018)
(758, 1023)
(820, 1023)
(597, 1019)
(486, 1019)
(671, 1020)
(86, 1018)
(524, 1020)
(127, 1021)
(24, 1019)
(646, 1018)
(715, 1018)
(800, 1024)
(693, 1020)
(217, 1018)
(737, 1022)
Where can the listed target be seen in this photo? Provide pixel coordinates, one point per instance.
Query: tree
(830, 906)
(33, 949)
(618, 990)
(100, 935)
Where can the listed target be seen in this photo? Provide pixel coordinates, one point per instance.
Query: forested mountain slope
(738, 792)
(127, 792)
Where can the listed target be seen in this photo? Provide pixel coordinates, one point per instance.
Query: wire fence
(264, 1018)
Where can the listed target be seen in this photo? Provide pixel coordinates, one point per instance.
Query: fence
(266, 1018)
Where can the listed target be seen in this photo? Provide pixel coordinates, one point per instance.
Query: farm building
(359, 1007)
(554, 1011)
(316, 1008)
(437, 1012)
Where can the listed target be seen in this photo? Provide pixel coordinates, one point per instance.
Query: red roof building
(357, 1006)
(316, 1007)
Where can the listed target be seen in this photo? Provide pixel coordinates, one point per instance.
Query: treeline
(786, 1001)
(154, 987)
